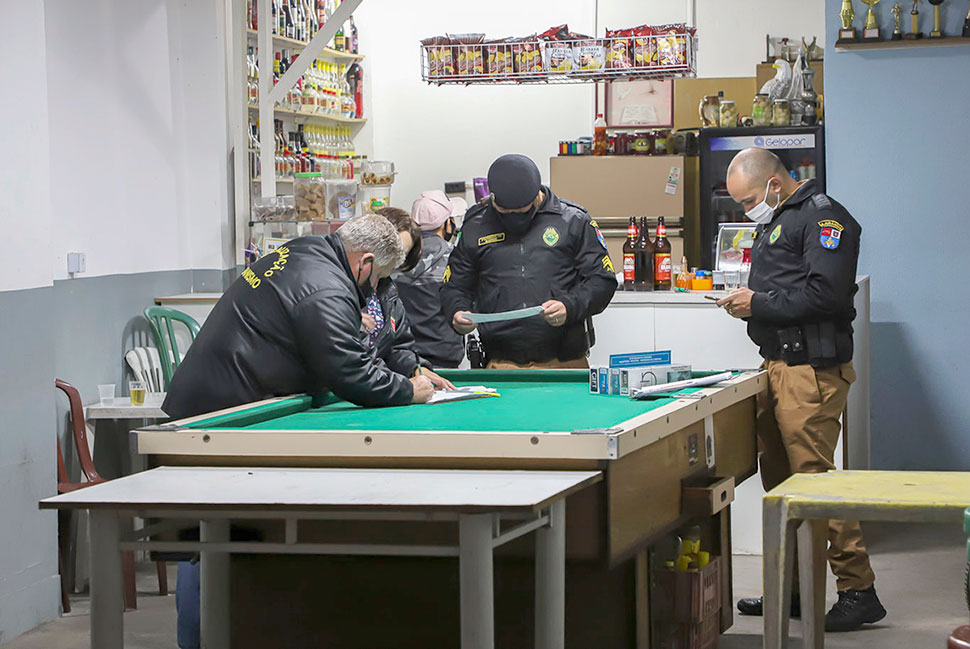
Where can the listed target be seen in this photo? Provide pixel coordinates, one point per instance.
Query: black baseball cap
(514, 181)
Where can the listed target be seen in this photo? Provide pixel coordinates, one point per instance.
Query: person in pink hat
(434, 337)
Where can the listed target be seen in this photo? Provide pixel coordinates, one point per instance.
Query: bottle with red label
(643, 268)
(630, 256)
(661, 258)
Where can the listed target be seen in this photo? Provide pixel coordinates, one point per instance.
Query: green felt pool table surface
(531, 400)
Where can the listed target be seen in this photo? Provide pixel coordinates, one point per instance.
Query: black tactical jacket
(291, 323)
(562, 256)
(803, 273)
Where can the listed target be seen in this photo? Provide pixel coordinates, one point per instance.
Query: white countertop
(121, 408)
(665, 297)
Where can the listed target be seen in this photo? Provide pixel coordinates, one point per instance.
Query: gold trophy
(914, 32)
(871, 31)
(848, 33)
(897, 32)
(937, 28)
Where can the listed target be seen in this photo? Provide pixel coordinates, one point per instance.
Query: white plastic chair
(146, 365)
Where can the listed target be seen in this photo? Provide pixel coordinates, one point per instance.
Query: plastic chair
(146, 366)
(92, 477)
(160, 318)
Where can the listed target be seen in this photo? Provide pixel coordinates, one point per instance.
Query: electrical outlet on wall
(76, 262)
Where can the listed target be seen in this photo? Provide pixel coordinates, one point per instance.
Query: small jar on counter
(621, 146)
(761, 110)
(781, 113)
(660, 140)
(641, 145)
(728, 114)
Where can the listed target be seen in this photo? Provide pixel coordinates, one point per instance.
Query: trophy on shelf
(937, 28)
(914, 32)
(897, 32)
(847, 34)
(871, 31)
(966, 26)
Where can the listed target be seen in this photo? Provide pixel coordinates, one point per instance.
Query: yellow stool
(802, 506)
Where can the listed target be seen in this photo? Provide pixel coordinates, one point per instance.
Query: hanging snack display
(560, 56)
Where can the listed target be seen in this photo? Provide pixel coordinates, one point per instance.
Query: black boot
(854, 608)
(756, 606)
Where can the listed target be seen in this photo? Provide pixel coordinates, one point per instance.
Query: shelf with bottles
(310, 148)
(327, 53)
(314, 117)
(295, 22)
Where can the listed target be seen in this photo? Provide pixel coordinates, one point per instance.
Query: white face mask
(762, 212)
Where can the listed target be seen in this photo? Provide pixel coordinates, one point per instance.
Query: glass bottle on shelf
(353, 37)
(338, 39)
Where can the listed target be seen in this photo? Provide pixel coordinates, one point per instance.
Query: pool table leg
(551, 580)
(107, 619)
(215, 586)
(476, 577)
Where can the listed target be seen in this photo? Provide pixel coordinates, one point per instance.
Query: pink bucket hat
(433, 208)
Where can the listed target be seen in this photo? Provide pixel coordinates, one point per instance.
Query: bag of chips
(619, 49)
(526, 58)
(672, 44)
(440, 59)
(557, 51)
(498, 57)
(470, 59)
(589, 55)
(644, 47)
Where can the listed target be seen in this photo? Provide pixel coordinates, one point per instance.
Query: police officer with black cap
(799, 310)
(523, 247)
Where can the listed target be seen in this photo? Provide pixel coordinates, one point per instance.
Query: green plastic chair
(160, 318)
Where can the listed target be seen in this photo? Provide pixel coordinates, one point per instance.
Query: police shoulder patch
(822, 202)
(829, 223)
(551, 236)
(599, 235)
(775, 234)
(830, 238)
(608, 264)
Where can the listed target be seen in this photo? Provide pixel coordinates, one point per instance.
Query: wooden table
(802, 506)
(491, 508)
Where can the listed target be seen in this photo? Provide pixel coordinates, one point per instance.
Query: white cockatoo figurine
(778, 87)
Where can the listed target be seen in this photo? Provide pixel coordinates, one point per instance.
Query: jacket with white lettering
(290, 324)
(803, 270)
(562, 256)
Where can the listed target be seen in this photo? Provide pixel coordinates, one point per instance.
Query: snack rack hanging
(448, 60)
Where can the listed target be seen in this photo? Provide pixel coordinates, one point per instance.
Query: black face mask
(449, 234)
(365, 286)
(517, 222)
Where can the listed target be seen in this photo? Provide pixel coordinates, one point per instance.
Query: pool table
(656, 457)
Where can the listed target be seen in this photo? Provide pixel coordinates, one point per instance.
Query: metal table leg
(551, 580)
(477, 597)
(778, 539)
(215, 586)
(812, 538)
(107, 607)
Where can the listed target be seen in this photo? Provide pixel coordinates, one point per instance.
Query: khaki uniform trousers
(554, 364)
(798, 427)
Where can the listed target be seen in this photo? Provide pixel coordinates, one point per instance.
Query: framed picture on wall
(640, 103)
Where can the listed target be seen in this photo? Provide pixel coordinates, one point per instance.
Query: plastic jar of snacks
(761, 110)
(376, 172)
(310, 194)
(781, 113)
(728, 114)
(341, 199)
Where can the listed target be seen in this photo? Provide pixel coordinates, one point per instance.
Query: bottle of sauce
(629, 256)
(600, 141)
(661, 259)
(643, 256)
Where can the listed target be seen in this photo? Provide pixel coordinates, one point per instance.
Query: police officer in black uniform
(524, 247)
(292, 323)
(799, 310)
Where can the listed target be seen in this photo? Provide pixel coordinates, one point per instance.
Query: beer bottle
(629, 256)
(644, 259)
(661, 258)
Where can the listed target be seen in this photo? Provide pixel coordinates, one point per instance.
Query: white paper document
(518, 314)
(666, 388)
(462, 394)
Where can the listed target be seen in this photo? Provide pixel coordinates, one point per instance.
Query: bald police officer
(799, 310)
(524, 247)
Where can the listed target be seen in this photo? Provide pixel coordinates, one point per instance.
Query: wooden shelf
(325, 53)
(947, 41)
(313, 117)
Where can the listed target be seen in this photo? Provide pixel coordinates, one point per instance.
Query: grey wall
(77, 330)
(28, 538)
(897, 155)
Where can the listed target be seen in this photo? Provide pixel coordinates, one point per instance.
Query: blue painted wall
(898, 147)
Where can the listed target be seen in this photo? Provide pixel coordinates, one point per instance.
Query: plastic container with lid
(310, 195)
(373, 197)
(274, 208)
(341, 199)
(376, 172)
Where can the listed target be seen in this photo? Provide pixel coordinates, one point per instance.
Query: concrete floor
(919, 578)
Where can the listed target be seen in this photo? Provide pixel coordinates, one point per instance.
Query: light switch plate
(76, 262)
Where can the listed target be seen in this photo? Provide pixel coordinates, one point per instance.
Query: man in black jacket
(799, 310)
(526, 247)
(292, 323)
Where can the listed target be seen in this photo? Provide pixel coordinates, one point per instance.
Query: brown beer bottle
(629, 256)
(644, 258)
(661, 258)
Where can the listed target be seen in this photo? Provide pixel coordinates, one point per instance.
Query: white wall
(453, 133)
(25, 208)
(138, 135)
